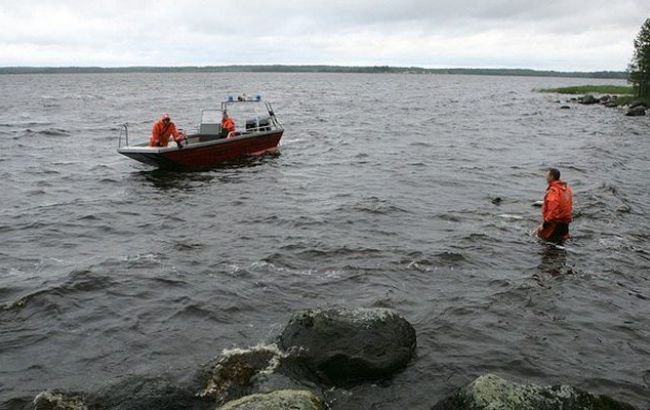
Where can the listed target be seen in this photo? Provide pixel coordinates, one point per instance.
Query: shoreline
(323, 69)
(611, 96)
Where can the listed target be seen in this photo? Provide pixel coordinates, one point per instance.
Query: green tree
(640, 65)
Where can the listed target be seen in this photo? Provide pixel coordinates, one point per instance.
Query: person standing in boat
(557, 210)
(227, 125)
(162, 130)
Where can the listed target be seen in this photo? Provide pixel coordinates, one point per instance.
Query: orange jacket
(160, 134)
(228, 124)
(558, 203)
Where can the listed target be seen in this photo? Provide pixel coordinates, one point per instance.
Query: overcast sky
(583, 35)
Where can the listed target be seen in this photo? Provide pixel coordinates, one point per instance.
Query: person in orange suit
(162, 130)
(227, 125)
(557, 210)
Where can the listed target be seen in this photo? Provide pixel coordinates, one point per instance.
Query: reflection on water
(553, 262)
(187, 180)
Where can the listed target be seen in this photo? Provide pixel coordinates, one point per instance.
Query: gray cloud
(583, 35)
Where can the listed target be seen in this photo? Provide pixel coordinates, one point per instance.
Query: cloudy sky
(581, 35)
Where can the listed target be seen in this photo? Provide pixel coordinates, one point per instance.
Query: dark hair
(555, 173)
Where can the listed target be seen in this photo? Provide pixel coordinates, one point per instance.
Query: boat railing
(124, 130)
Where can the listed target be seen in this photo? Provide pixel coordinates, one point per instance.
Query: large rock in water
(637, 103)
(637, 111)
(588, 100)
(343, 346)
(277, 400)
(490, 392)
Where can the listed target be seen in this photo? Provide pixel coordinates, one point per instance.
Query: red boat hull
(206, 155)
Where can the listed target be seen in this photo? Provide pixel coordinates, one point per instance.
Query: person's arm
(177, 135)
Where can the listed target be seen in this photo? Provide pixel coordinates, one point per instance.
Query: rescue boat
(211, 145)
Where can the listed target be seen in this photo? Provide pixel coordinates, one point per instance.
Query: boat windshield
(251, 115)
(211, 117)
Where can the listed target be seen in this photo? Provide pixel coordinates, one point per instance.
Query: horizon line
(343, 66)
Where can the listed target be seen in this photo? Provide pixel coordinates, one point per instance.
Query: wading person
(557, 211)
(162, 130)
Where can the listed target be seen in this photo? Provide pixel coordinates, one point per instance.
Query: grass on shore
(591, 89)
(628, 99)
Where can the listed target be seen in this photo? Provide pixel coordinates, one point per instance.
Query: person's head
(166, 118)
(552, 174)
(225, 115)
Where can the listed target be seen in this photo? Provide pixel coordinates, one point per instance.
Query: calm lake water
(381, 196)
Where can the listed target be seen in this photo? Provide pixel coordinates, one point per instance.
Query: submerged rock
(277, 400)
(343, 346)
(637, 111)
(146, 393)
(18, 403)
(565, 107)
(490, 392)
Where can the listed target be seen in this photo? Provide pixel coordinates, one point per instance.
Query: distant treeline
(313, 69)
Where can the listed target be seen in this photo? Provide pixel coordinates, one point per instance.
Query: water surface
(382, 196)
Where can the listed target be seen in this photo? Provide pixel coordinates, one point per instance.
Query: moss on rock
(491, 392)
(277, 400)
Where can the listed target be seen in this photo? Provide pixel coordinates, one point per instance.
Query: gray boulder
(588, 100)
(343, 346)
(490, 392)
(637, 111)
(277, 400)
(637, 103)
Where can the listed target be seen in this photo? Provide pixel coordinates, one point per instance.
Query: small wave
(511, 217)
(325, 252)
(50, 132)
(77, 282)
(374, 205)
(421, 144)
(187, 246)
(441, 259)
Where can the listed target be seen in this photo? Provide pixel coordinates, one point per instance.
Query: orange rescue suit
(161, 132)
(228, 124)
(557, 208)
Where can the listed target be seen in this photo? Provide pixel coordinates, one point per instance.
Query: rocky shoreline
(317, 351)
(634, 108)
